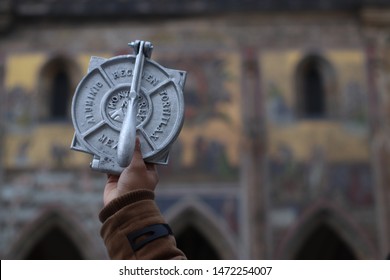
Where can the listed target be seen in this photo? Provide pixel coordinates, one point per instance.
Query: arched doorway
(195, 246)
(324, 244)
(199, 232)
(325, 231)
(53, 235)
(55, 244)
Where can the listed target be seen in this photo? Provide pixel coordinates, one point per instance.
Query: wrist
(126, 199)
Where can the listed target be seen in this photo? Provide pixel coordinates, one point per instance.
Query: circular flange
(100, 101)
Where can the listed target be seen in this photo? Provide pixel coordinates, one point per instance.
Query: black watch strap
(140, 238)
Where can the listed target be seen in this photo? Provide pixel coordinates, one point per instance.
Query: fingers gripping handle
(126, 142)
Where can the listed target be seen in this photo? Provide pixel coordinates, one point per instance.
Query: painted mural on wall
(354, 107)
(31, 141)
(20, 110)
(325, 158)
(17, 109)
(206, 149)
(18, 117)
(278, 111)
(295, 183)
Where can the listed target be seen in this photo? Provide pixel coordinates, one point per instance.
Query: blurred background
(285, 148)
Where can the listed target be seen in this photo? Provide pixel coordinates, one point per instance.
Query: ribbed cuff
(122, 201)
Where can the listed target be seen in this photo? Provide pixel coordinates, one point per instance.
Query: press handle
(128, 133)
(126, 142)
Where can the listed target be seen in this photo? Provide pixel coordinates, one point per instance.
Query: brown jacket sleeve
(129, 214)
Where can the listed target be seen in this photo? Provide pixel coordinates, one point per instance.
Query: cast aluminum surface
(111, 99)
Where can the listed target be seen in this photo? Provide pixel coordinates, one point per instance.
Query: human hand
(138, 175)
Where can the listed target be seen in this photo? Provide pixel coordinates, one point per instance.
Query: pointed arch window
(57, 83)
(60, 95)
(313, 92)
(316, 95)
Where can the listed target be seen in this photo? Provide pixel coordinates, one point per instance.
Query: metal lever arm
(127, 135)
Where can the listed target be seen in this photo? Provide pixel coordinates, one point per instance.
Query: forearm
(130, 214)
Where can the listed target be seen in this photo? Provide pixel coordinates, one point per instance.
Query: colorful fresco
(309, 159)
(296, 183)
(207, 148)
(17, 109)
(278, 111)
(354, 107)
(30, 141)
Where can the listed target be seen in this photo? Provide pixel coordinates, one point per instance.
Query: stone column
(253, 150)
(376, 34)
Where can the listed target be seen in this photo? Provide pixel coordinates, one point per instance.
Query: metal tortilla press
(123, 97)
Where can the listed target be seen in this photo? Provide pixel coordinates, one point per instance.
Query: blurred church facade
(285, 146)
